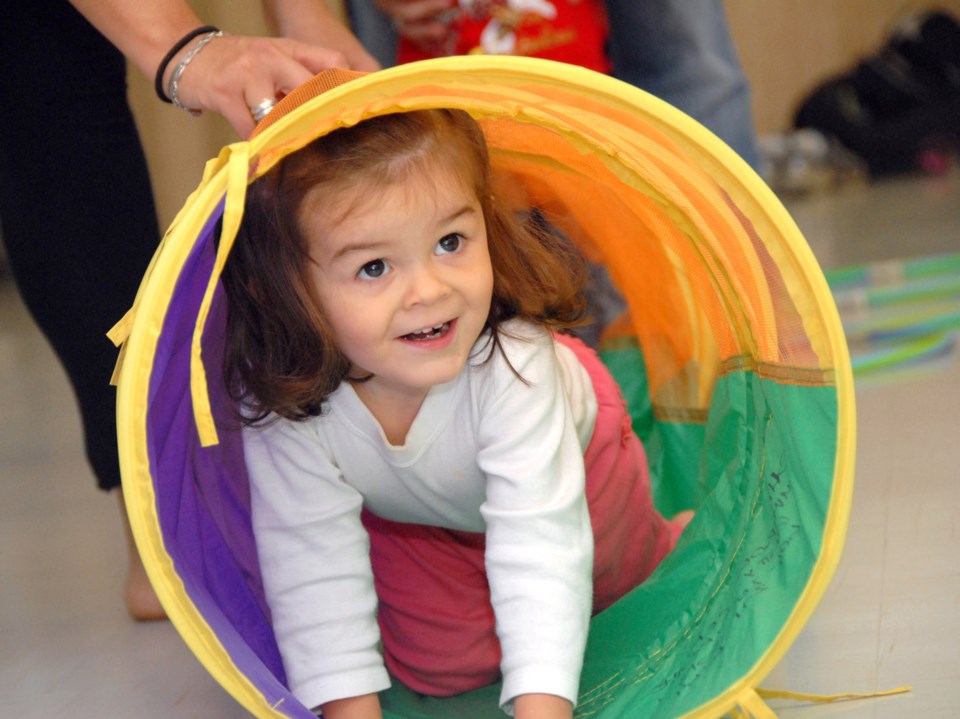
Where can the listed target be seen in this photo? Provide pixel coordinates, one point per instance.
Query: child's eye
(373, 270)
(449, 244)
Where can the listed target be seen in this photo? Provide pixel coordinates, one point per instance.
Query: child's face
(405, 279)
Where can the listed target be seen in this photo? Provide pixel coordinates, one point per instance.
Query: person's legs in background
(678, 50)
(77, 214)
(681, 51)
(374, 30)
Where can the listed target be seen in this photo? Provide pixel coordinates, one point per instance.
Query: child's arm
(539, 542)
(541, 706)
(315, 564)
(362, 707)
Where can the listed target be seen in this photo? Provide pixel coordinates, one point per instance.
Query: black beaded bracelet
(178, 46)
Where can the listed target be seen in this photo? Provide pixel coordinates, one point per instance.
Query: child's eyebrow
(354, 247)
(374, 245)
(465, 210)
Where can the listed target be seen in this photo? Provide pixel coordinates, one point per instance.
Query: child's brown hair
(281, 356)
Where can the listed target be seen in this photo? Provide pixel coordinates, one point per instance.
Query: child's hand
(542, 706)
(362, 707)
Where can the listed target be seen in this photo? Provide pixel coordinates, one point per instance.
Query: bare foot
(138, 595)
(141, 600)
(682, 519)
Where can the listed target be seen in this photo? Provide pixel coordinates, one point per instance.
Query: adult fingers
(315, 58)
(422, 33)
(412, 11)
(239, 73)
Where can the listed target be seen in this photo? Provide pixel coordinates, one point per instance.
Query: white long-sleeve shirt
(486, 453)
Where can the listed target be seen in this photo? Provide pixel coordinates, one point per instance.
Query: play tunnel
(725, 342)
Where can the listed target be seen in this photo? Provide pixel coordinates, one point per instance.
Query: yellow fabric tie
(828, 698)
(751, 704)
(237, 157)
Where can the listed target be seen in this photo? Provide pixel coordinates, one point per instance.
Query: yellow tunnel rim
(154, 294)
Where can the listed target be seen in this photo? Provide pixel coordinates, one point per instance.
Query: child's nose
(427, 285)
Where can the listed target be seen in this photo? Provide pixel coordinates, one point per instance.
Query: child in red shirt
(573, 31)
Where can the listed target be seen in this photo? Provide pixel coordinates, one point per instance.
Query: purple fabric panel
(203, 502)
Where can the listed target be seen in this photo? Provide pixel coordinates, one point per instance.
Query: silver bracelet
(174, 85)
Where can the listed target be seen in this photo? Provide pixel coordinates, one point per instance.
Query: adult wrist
(173, 87)
(158, 84)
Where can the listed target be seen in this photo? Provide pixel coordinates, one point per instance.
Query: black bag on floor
(900, 109)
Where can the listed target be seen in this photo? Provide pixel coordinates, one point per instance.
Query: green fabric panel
(715, 605)
(673, 449)
(398, 702)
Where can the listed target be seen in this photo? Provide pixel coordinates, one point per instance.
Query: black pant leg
(76, 206)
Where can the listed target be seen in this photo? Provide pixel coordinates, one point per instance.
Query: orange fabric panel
(702, 284)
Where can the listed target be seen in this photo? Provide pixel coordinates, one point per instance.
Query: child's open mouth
(428, 333)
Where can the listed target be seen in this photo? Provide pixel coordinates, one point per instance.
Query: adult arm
(232, 73)
(312, 22)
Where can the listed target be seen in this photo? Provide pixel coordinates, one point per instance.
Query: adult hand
(422, 21)
(232, 74)
(235, 73)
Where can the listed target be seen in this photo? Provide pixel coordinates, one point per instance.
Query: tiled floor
(891, 616)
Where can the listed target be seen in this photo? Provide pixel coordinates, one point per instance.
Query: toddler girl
(443, 486)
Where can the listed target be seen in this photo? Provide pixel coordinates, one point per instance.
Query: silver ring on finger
(262, 109)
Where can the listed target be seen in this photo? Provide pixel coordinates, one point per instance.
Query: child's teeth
(429, 330)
